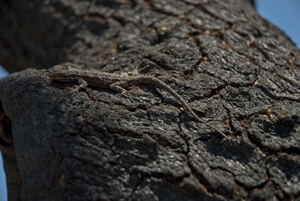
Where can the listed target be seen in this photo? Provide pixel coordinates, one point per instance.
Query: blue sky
(284, 14)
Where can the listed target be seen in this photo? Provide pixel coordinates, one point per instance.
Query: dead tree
(238, 73)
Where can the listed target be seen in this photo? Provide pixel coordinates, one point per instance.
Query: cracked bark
(236, 70)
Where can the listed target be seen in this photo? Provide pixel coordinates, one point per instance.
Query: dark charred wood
(237, 71)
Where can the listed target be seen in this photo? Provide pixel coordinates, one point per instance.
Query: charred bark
(237, 71)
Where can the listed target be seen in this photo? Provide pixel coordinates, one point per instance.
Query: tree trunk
(237, 72)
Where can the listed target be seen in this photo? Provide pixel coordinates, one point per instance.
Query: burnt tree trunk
(237, 71)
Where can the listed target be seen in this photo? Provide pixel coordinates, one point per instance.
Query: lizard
(117, 82)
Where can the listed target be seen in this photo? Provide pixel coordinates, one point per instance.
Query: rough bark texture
(236, 70)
